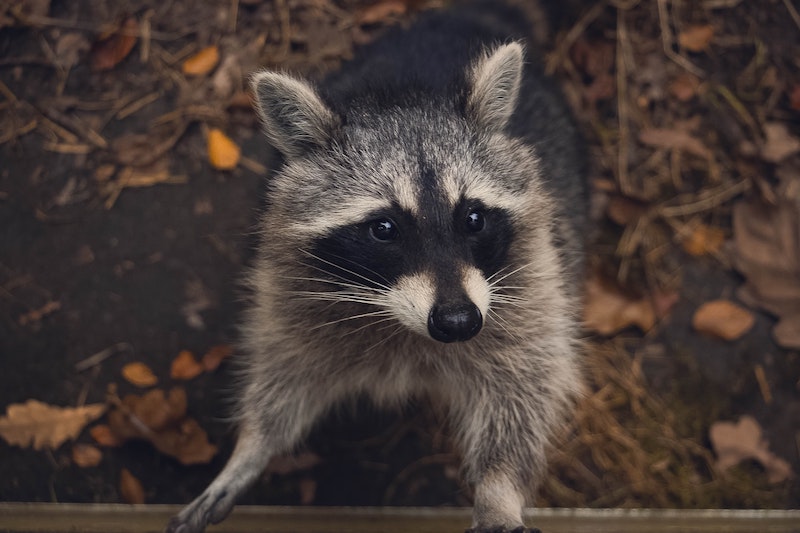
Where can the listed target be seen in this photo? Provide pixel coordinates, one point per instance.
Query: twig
(622, 106)
(707, 200)
(102, 355)
(792, 12)
(557, 57)
(666, 41)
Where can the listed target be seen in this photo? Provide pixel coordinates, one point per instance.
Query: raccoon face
(409, 210)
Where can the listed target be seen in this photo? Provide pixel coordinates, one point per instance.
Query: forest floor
(121, 242)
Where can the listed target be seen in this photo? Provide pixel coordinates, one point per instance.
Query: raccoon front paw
(520, 529)
(206, 509)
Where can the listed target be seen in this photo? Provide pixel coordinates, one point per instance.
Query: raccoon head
(409, 207)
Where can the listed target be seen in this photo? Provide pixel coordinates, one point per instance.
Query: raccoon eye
(383, 230)
(475, 220)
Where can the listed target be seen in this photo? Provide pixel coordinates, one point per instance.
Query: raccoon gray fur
(422, 237)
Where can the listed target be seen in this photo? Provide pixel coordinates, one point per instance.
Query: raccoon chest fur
(422, 236)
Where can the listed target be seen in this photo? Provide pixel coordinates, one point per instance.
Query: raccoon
(422, 237)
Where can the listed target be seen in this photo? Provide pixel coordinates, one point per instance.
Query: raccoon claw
(207, 509)
(520, 529)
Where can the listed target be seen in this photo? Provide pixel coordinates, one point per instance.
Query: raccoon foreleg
(501, 436)
(248, 461)
(275, 415)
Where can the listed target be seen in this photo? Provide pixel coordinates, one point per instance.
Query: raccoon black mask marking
(422, 238)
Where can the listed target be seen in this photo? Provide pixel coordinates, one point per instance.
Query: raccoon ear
(294, 117)
(494, 85)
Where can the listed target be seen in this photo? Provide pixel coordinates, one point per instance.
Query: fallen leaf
(624, 210)
(215, 356)
(382, 11)
(675, 139)
(696, 38)
(734, 443)
(185, 366)
(223, 153)
(794, 97)
(767, 253)
(139, 374)
(704, 240)
(86, 455)
(130, 488)
(161, 419)
(103, 436)
(779, 143)
(202, 62)
(109, 51)
(684, 87)
(37, 314)
(723, 319)
(41, 425)
(608, 309)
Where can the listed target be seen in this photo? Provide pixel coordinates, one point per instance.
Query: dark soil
(155, 271)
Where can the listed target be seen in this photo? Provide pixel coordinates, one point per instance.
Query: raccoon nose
(459, 322)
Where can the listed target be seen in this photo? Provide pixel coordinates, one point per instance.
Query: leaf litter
(39, 425)
(641, 149)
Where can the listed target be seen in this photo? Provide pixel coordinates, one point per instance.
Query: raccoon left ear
(494, 85)
(295, 118)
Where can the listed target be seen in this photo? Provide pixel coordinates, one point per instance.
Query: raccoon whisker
(353, 317)
(365, 278)
(344, 281)
(504, 276)
(387, 319)
(397, 330)
(342, 297)
(336, 283)
(347, 259)
(504, 325)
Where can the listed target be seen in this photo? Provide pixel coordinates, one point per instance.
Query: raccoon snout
(451, 323)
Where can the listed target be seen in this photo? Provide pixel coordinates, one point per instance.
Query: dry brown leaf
(382, 11)
(779, 143)
(130, 488)
(623, 210)
(103, 436)
(202, 62)
(704, 240)
(86, 455)
(223, 153)
(696, 38)
(608, 309)
(41, 425)
(215, 356)
(675, 139)
(723, 319)
(161, 419)
(684, 87)
(734, 443)
(37, 314)
(139, 374)
(185, 366)
(767, 252)
(108, 52)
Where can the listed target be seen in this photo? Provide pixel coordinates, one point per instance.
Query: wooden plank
(111, 518)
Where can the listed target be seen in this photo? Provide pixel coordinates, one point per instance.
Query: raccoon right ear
(294, 117)
(494, 85)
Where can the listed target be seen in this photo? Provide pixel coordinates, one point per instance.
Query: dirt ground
(120, 242)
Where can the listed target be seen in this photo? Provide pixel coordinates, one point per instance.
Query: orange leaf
(86, 455)
(130, 488)
(214, 356)
(108, 52)
(223, 153)
(734, 443)
(202, 62)
(139, 374)
(104, 436)
(704, 240)
(608, 309)
(696, 38)
(382, 11)
(723, 319)
(40, 425)
(185, 366)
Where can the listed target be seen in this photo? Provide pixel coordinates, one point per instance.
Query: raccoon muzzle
(452, 323)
